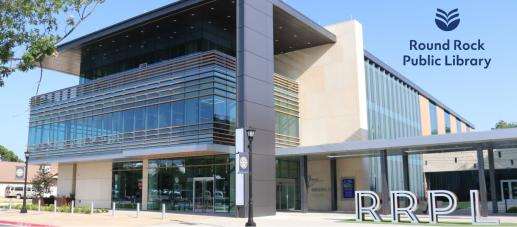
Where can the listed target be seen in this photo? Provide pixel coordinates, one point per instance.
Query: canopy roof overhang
(496, 139)
(292, 31)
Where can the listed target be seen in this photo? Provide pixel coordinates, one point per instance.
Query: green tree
(30, 30)
(43, 180)
(504, 124)
(8, 155)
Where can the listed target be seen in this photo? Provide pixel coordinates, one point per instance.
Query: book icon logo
(447, 21)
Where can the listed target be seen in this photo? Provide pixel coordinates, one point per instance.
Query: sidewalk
(284, 219)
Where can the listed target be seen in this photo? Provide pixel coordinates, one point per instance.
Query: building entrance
(286, 194)
(203, 195)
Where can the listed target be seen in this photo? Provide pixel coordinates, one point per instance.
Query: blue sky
(483, 96)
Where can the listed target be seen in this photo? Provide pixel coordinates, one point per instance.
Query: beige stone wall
(319, 195)
(65, 179)
(442, 162)
(94, 184)
(425, 116)
(354, 168)
(453, 124)
(463, 127)
(332, 87)
(333, 108)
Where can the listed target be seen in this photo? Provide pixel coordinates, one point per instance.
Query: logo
(447, 21)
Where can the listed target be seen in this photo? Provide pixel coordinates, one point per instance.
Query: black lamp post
(24, 205)
(250, 132)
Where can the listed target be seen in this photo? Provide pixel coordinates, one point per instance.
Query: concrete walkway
(127, 218)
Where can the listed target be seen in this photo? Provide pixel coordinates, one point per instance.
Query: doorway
(203, 194)
(286, 194)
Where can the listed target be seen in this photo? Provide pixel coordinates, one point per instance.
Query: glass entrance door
(285, 194)
(203, 194)
(509, 189)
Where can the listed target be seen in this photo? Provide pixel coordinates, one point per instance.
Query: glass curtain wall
(393, 112)
(434, 119)
(193, 105)
(126, 184)
(210, 27)
(286, 112)
(187, 184)
(288, 195)
(447, 118)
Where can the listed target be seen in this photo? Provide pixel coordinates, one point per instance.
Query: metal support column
(491, 175)
(405, 170)
(385, 188)
(333, 184)
(482, 181)
(304, 184)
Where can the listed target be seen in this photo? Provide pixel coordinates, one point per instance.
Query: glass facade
(126, 190)
(200, 184)
(458, 125)
(286, 112)
(288, 195)
(447, 118)
(434, 119)
(199, 29)
(393, 112)
(165, 104)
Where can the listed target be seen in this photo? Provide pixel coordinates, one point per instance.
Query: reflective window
(434, 120)
(199, 184)
(447, 118)
(127, 184)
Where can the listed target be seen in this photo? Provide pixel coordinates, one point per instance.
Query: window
(458, 125)
(447, 122)
(139, 119)
(178, 113)
(129, 121)
(152, 117)
(191, 111)
(206, 109)
(434, 121)
(164, 117)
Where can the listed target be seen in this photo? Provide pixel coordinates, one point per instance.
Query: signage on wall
(433, 210)
(348, 188)
(20, 173)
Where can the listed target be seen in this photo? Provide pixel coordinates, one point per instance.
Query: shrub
(512, 210)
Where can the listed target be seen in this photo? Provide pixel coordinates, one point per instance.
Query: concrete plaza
(285, 219)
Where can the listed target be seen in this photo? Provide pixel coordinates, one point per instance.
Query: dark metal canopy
(292, 30)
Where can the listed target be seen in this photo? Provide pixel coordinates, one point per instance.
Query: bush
(512, 210)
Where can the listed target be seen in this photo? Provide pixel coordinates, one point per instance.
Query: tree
(8, 155)
(31, 30)
(504, 124)
(43, 180)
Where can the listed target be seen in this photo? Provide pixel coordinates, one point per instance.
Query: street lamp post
(24, 205)
(250, 132)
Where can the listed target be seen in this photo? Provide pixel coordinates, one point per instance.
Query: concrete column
(385, 188)
(482, 181)
(145, 182)
(333, 185)
(491, 174)
(255, 100)
(304, 184)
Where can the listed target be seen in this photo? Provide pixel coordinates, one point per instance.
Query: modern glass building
(153, 117)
